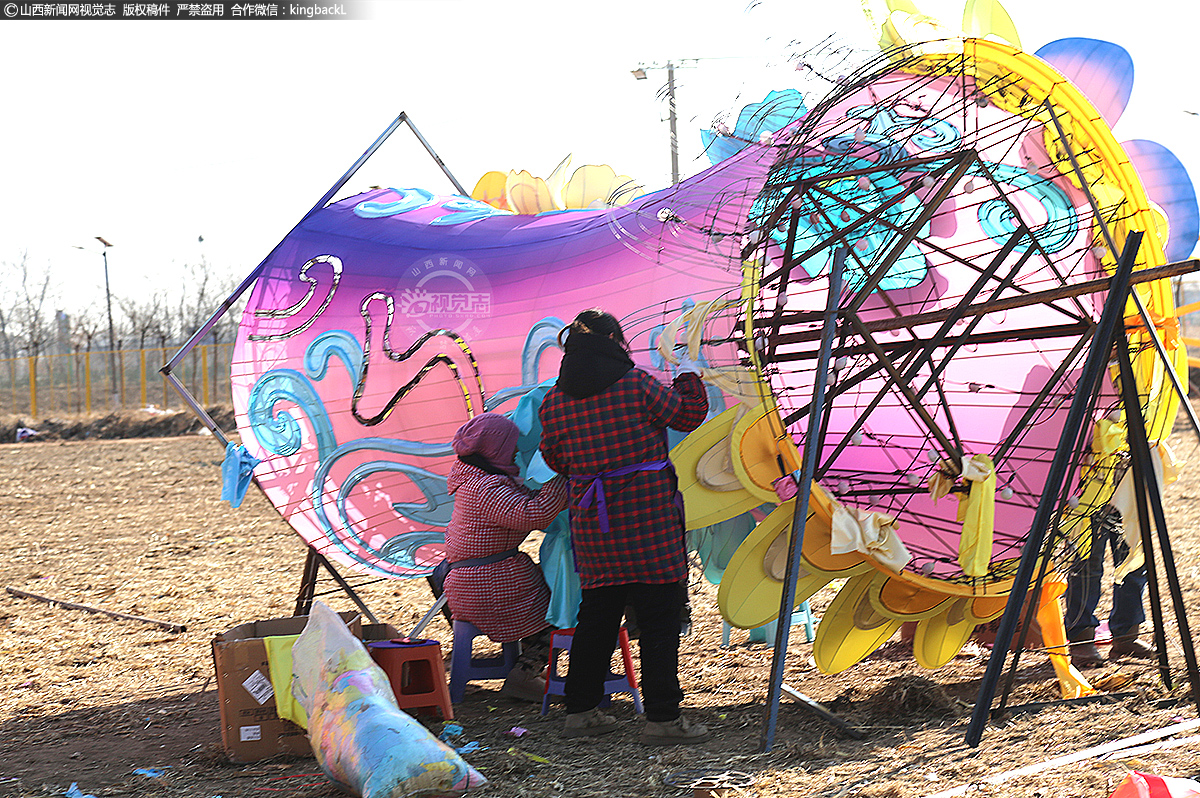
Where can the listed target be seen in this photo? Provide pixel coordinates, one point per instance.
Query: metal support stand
(812, 447)
(1147, 490)
(314, 559)
(308, 585)
(169, 368)
(1093, 368)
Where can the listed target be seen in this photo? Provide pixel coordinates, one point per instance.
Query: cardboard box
(250, 727)
(379, 631)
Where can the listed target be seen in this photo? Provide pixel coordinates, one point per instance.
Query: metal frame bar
(314, 558)
(1097, 360)
(1148, 490)
(804, 481)
(993, 305)
(923, 355)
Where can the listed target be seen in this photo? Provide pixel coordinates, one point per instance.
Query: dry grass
(136, 526)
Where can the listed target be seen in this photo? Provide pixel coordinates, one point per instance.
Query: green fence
(83, 382)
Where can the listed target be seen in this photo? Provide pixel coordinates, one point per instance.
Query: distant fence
(83, 382)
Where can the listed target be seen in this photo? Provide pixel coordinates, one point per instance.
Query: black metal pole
(1143, 480)
(1163, 355)
(250, 278)
(1093, 367)
(812, 448)
(308, 584)
(112, 336)
(1148, 491)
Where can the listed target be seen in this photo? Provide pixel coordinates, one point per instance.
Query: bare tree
(87, 326)
(197, 298)
(30, 321)
(8, 349)
(146, 318)
(204, 291)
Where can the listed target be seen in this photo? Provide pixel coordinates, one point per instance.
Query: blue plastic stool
(766, 632)
(464, 667)
(626, 682)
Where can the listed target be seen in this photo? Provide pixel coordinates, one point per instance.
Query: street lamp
(112, 338)
(640, 74)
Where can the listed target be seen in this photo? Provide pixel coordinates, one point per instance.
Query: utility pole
(674, 133)
(640, 74)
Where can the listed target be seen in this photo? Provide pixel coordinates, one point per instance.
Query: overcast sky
(153, 134)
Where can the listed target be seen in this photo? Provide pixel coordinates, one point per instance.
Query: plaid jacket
(624, 425)
(508, 599)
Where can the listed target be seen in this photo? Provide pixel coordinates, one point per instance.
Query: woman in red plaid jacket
(491, 583)
(604, 427)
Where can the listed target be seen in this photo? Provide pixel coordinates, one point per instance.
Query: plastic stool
(465, 667)
(766, 632)
(417, 673)
(556, 683)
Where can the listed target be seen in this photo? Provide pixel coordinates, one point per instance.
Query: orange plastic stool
(417, 674)
(615, 683)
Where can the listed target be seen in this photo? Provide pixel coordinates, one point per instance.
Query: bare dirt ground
(137, 526)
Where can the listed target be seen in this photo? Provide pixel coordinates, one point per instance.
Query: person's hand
(686, 364)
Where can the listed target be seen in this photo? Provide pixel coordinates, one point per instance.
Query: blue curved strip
(1170, 187)
(410, 199)
(279, 433)
(822, 215)
(465, 209)
(718, 147)
(888, 133)
(542, 335)
(435, 511)
(334, 343)
(431, 485)
(402, 549)
(1062, 222)
(1103, 71)
(777, 110)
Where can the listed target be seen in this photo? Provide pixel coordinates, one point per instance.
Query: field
(136, 526)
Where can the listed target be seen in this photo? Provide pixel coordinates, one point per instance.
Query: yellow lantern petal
(984, 18)
(589, 184)
(490, 189)
(528, 194)
(851, 628)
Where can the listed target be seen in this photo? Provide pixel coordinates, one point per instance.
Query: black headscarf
(590, 364)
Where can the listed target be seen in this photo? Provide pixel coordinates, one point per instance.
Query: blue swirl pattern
(280, 433)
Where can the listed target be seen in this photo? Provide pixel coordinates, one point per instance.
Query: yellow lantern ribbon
(977, 512)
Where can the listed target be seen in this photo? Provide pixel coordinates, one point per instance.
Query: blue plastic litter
(236, 472)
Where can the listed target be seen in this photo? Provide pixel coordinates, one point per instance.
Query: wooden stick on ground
(174, 627)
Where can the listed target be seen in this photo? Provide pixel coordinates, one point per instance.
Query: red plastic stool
(615, 683)
(417, 674)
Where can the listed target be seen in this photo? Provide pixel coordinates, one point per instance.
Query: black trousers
(595, 640)
(1084, 583)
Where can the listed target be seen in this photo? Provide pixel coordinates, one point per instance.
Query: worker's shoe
(589, 724)
(1128, 645)
(680, 731)
(524, 686)
(1084, 653)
